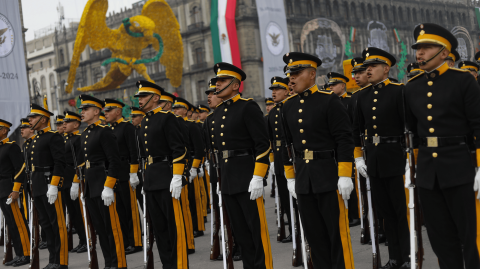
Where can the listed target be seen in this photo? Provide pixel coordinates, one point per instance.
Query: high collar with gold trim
(309, 91)
(381, 84)
(231, 100)
(71, 134)
(4, 141)
(91, 126)
(344, 95)
(44, 130)
(118, 122)
(30, 139)
(437, 71)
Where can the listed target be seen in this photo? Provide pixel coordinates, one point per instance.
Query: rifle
(280, 220)
(69, 229)
(416, 239)
(2, 232)
(7, 244)
(363, 201)
(227, 241)
(89, 230)
(214, 240)
(148, 238)
(33, 221)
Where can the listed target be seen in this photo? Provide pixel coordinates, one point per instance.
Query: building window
(329, 8)
(414, 11)
(346, 13)
(400, 14)
(364, 13)
(336, 8)
(199, 55)
(43, 83)
(309, 9)
(289, 7)
(201, 86)
(464, 17)
(62, 58)
(354, 11)
(440, 16)
(428, 15)
(452, 17)
(196, 16)
(50, 63)
(385, 13)
(51, 80)
(394, 14)
(370, 12)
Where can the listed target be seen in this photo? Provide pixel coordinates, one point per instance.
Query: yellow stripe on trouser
(345, 234)
(187, 217)
(137, 233)
(407, 197)
(22, 230)
(208, 187)
(25, 211)
(267, 248)
(198, 204)
(477, 209)
(204, 197)
(182, 261)
(117, 234)
(62, 230)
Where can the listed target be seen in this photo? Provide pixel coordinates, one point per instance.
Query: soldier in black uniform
(162, 140)
(269, 103)
(413, 69)
(101, 158)
(470, 66)
(47, 161)
(317, 126)
(203, 112)
(442, 108)
(128, 181)
(137, 116)
(452, 57)
(196, 147)
(103, 120)
(380, 114)
(240, 133)
(70, 188)
(27, 134)
(280, 93)
(59, 124)
(12, 179)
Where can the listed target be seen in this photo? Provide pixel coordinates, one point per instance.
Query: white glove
(207, 166)
(408, 179)
(176, 186)
(256, 187)
(201, 173)
(9, 201)
(361, 166)
(291, 187)
(272, 168)
(52, 194)
(107, 196)
(476, 184)
(74, 191)
(345, 187)
(193, 174)
(134, 180)
(143, 191)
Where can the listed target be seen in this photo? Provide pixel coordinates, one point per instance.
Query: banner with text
(14, 97)
(274, 36)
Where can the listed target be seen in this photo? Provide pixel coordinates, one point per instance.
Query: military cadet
(59, 124)
(318, 131)
(442, 108)
(452, 57)
(28, 134)
(240, 133)
(162, 140)
(413, 69)
(137, 116)
(47, 165)
(280, 93)
(202, 116)
(12, 179)
(379, 112)
(470, 66)
(103, 120)
(70, 188)
(196, 147)
(201, 172)
(128, 181)
(269, 103)
(101, 158)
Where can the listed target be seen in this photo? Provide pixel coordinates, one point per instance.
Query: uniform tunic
(12, 178)
(444, 105)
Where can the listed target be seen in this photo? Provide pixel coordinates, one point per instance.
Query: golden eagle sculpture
(157, 26)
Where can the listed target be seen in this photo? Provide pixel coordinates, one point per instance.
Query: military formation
(388, 157)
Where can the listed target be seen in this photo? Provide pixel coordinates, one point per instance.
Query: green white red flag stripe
(353, 31)
(397, 36)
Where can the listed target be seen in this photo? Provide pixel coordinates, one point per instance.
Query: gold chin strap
(216, 93)
(425, 62)
(33, 127)
(147, 101)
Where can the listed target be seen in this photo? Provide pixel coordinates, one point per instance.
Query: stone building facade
(320, 27)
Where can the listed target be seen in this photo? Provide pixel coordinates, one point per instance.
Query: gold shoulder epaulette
(125, 121)
(211, 113)
(249, 99)
(53, 131)
(103, 126)
(219, 104)
(324, 92)
(290, 97)
(417, 76)
(361, 89)
(10, 142)
(398, 84)
(458, 69)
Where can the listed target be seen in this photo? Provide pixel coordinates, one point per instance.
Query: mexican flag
(397, 36)
(353, 31)
(224, 32)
